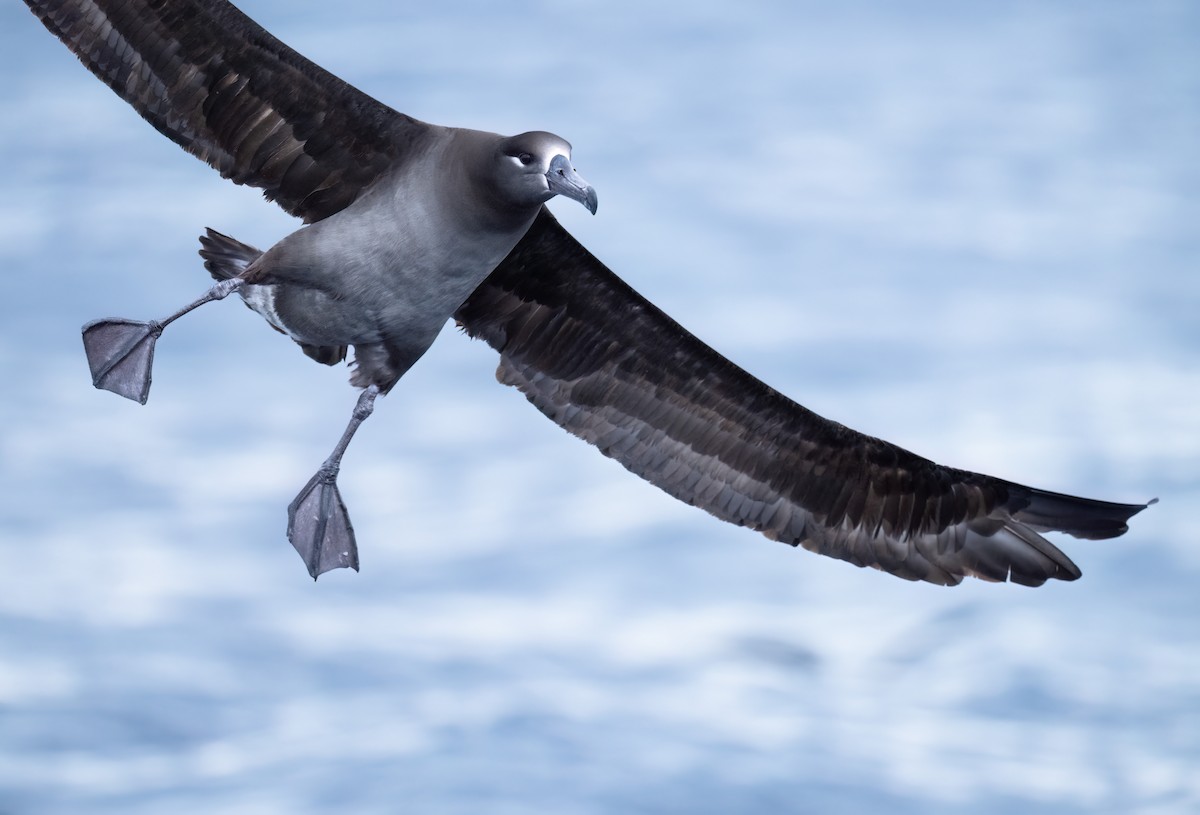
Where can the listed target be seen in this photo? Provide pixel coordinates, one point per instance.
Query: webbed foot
(120, 354)
(319, 526)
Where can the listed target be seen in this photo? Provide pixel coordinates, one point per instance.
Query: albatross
(407, 225)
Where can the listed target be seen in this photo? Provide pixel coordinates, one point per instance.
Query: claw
(120, 355)
(319, 526)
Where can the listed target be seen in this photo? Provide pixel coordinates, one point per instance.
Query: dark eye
(524, 158)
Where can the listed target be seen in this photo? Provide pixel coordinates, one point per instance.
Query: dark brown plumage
(586, 349)
(221, 87)
(681, 416)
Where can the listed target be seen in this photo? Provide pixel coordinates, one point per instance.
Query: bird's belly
(382, 296)
(382, 273)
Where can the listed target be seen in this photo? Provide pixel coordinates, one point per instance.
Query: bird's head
(534, 167)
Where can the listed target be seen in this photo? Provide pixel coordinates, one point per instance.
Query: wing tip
(1085, 518)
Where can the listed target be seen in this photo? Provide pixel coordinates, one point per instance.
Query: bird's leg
(318, 524)
(120, 353)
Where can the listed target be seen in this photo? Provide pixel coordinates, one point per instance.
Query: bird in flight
(409, 224)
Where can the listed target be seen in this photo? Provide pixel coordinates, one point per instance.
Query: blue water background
(971, 229)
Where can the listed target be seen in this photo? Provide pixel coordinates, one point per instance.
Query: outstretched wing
(214, 82)
(605, 364)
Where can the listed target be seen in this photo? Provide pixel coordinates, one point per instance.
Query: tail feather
(225, 257)
(1080, 517)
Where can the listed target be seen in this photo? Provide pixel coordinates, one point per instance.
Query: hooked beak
(563, 180)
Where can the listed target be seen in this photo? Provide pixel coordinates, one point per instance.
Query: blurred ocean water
(968, 229)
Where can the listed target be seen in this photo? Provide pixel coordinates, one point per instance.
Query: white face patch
(564, 153)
